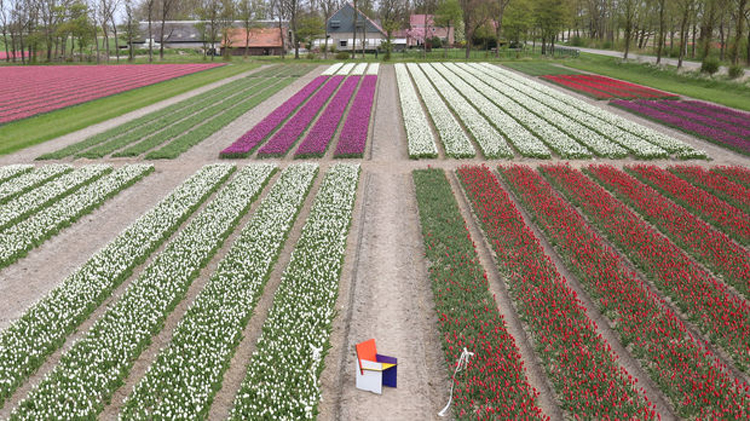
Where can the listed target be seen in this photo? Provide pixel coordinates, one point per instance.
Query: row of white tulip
(525, 142)
(30, 180)
(636, 145)
(182, 381)
(332, 69)
(591, 139)
(282, 381)
(668, 143)
(555, 138)
(373, 69)
(95, 366)
(18, 239)
(420, 140)
(491, 142)
(455, 141)
(9, 171)
(47, 194)
(615, 135)
(359, 69)
(26, 343)
(345, 69)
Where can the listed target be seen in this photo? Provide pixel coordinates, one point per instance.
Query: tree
(310, 27)
(166, 10)
(150, 12)
(246, 12)
(475, 13)
(130, 29)
(329, 7)
(393, 14)
(630, 12)
(498, 9)
(740, 17)
(447, 14)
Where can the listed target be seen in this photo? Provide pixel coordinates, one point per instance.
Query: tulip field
(602, 87)
(523, 252)
(31, 91)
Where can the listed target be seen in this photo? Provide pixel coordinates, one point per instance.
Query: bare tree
(150, 13)
(246, 13)
(498, 7)
(392, 13)
(166, 10)
(329, 7)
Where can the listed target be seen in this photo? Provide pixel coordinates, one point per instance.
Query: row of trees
(64, 29)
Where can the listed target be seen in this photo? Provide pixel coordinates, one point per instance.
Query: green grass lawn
(729, 93)
(540, 68)
(34, 130)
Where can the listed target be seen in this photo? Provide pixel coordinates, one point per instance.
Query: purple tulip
(703, 118)
(247, 143)
(726, 114)
(714, 135)
(283, 139)
(317, 140)
(353, 137)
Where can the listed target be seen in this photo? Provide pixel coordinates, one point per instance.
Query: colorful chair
(374, 370)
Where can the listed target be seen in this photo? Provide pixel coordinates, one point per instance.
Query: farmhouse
(341, 27)
(260, 42)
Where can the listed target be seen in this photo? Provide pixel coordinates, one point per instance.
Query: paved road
(652, 59)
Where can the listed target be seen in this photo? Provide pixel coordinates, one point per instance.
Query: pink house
(423, 26)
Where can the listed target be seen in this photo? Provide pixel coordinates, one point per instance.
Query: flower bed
(282, 378)
(419, 137)
(248, 142)
(186, 375)
(718, 184)
(588, 381)
(724, 217)
(736, 173)
(33, 90)
(42, 328)
(689, 375)
(487, 137)
(455, 141)
(18, 239)
(30, 180)
(8, 172)
(95, 366)
(494, 383)
(353, 137)
(318, 138)
(714, 135)
(602, 87)
(280, 143)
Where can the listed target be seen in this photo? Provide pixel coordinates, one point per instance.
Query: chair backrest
(366, 351)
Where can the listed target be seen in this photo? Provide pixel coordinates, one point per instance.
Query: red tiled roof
(259, 37)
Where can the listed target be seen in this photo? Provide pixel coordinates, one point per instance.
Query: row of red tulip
(580, 364)
(691, 376)
(735, 173)
(727, 218)
(493, 385)
(720, 185)
(709, 246)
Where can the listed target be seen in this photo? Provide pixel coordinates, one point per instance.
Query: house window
(342, 43)
(335, 23)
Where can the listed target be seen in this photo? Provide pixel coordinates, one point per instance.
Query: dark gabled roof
(343, 21)
(183, 31)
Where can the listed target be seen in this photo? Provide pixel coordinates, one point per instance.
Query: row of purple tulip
(727, 114)
(353, 137)
(317, 140)
(699, 116)
(247, 143)
(712, 134)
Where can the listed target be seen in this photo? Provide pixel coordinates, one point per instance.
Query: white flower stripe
(9, 171)
(373, 69)
(282, 381)
(525, 141)
(185, 376)
(26, 343)
(492, 143)
(332, 69)
(420, 140)
(455, 141)
(558, 141)
(18, 239)
(359, 69)
(29, 180)
(49, 193)
(89, 373)
(667, 143)
(345, 69)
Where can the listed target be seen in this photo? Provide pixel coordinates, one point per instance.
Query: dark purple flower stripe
(714, 111)
(317, 140)
(247, 143)
(283, 139)
(353, 137)
(666, 106)
(717, 136)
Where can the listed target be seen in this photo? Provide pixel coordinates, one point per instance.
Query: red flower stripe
(494, 384)
(727, 218)
(709, 246)
(690, 376)
(644, 91)
(716, 183)
(594, 93)
(736, 173)
(580, 364)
